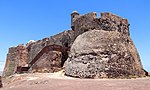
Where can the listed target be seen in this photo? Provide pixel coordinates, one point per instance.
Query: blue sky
(24, 20)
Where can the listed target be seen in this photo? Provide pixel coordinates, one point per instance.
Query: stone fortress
(96, 47)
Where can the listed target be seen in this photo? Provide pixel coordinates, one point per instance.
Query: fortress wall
(107, 21)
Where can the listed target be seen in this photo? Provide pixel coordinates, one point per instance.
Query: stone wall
(23, 55)
(63, 39)
(17, 56)
(48, 62)
(50, 59)
(107, 21)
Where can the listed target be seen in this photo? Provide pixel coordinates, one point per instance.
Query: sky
(24, 20)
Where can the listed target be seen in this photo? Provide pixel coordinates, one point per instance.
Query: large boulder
(103, 54)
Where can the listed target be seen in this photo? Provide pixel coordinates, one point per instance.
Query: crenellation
(115, 22)
(105, 15)
(107, 21)
(84, 23)
(11, 49)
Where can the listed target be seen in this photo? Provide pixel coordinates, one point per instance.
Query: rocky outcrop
(104, 49)
(1, 85)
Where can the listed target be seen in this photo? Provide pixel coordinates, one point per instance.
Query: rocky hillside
(96, 47)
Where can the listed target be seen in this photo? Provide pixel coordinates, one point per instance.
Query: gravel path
(58, 81)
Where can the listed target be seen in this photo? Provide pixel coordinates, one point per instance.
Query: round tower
(74, 15)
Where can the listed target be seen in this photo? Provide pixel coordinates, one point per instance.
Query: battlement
(107, 21)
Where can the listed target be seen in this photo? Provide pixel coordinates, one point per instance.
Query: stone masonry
(22, 55)
(96, 47)
(17, 56)
(107, 21)
(103, 48)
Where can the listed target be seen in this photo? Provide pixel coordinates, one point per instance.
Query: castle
(50, 54)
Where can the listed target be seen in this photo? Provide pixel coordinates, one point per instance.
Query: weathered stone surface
(103, 54)
(48, 62)
(103, 48)
(21, 56)
(63, 39)
(50, 59)
(1, 85)
(90, 21)
(17, 56)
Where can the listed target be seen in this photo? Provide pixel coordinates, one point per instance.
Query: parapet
(107, 22)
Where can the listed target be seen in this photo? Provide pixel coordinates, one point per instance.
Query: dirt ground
(57, 81)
